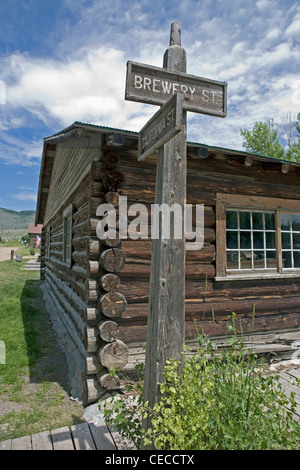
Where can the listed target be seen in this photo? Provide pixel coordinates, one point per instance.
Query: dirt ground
(5, 252)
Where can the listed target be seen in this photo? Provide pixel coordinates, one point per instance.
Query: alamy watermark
(2, 92)
(2, 352)
(170, 222)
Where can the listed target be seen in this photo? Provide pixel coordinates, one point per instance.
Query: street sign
(164, 125)
(154, 85)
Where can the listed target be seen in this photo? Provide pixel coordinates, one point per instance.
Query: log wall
(85, 293)
(103, 295)
(274, 303)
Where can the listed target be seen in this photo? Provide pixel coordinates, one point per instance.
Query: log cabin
(97, 291)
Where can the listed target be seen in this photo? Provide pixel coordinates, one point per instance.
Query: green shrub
(218, 399)
(32, 251)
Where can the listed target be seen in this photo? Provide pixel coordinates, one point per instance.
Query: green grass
(12, 243)
(32, 398)
(18, 319)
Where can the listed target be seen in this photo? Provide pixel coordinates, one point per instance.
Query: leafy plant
(218, 399)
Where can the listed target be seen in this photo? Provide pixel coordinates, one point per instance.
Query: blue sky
(65, 60)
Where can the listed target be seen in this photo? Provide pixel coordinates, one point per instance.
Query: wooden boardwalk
(83, 436)
(91, 436)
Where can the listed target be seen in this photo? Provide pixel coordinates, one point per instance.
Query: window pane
(246, 262)
(287, 259)
(245, 239)
(258, 257)
(270, 240)
(271, 259)
(270, 221)
(258, 223)
(232, 219)
(286, 240)
(296, 222)
(258, 240)
(232, 240)
(296, 259)
(245, 222)
(232, 260)
(285, 221)
(296, 241)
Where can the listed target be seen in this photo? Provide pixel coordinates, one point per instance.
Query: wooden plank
(294, 373)
(62, 439)
(102, 436)
(82, 436)
(289, 386)
(166, 326)
(42, 441)
(164, 125)
(154, 85)
(121, 442)
(5, 445)
(22, 443)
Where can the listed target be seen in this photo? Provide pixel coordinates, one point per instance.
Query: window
(67, 238)
(290, 240)
(257, 236)
(250, 240)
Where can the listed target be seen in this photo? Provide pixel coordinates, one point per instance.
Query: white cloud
(14, 151)
(25, 196)
(88, 86)
(294, 27)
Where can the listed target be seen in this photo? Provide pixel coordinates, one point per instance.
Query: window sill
(249, 277)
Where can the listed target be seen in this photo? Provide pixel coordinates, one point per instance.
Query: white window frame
(241, 203)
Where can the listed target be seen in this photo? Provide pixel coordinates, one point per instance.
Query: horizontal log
(111, 160)
(192, 271)
(92, 364)
(93, 389)
(85, 227)
(112, 304)
(114, 140)
(108, 330)
(92, 268)
(111, 242)
(81, 214)
(113, 356)
(79, 271)
(112, 197)
(142, 249)
(91, 290)
(112, 260)
(94, 203)
(92, 315)
(79, 256)
(107, 380)
(92, 339)
(114, 181)
(109, 282)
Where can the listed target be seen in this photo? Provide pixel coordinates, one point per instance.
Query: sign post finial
(175, 56)
(175, 36)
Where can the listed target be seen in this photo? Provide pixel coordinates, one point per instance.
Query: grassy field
(33, 393)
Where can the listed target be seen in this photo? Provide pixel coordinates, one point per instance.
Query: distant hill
(14, 224)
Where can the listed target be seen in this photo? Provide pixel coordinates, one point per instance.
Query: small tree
(263, 140)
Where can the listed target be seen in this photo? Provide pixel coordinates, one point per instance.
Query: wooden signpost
(164, 125)
(154, 85)
(166, 314)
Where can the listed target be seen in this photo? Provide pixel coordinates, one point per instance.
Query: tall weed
(215, 399)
